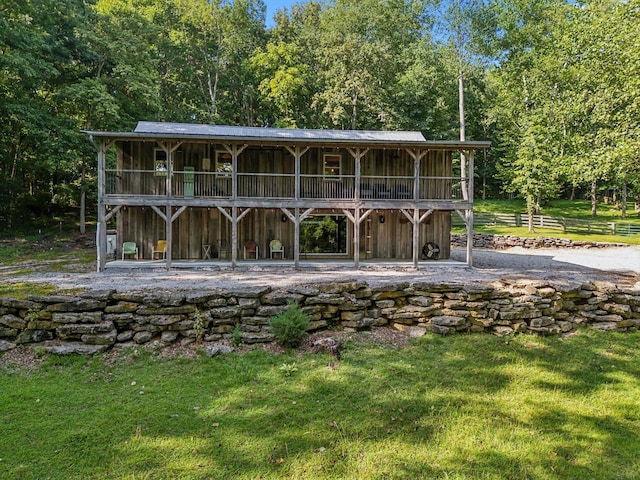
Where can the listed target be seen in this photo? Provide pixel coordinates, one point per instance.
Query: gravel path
(620, 265)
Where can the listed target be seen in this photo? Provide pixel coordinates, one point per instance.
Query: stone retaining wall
(500, 242)
(94, 322)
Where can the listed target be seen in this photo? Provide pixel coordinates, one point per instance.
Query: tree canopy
(555, 85)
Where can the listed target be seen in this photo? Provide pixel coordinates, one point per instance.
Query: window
(332, 166)
(324, 234)
(224, 164)
(160, 162)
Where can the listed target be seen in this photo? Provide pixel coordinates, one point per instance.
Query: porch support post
(296, 238)
(416, 237)
(357, 155)
(168, 180)
(356, 219)
(101, 232)
(234, 150)
(234, 235)
(470, 211)
(169, 234)
(417, 156)
(297, 154)
(296, 218)
(416, 219)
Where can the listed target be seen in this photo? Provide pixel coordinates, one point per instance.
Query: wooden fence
(573, 225)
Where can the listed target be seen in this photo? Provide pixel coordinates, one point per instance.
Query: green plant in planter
(290, 326)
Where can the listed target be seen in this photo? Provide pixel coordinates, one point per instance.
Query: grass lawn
(561, 208)
(577, 209)
(461, 407)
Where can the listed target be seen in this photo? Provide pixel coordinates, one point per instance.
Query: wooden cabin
(214, 192)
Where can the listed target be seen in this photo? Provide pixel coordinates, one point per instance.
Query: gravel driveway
(620, 265)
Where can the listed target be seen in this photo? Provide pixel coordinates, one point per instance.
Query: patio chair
(160, 249)
(275, 246)
(250, 247)
(129, 248)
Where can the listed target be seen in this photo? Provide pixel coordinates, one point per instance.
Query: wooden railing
(186, 184)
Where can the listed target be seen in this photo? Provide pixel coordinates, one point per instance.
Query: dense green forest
(554, 84)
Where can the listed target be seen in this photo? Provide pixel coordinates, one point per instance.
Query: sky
(273, 5)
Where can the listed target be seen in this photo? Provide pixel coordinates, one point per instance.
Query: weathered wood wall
(198, 226)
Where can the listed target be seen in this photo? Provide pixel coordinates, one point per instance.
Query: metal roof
(146, 131)
(292, 134)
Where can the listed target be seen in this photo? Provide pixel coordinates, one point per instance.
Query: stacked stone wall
(500, 242)
(96, 321)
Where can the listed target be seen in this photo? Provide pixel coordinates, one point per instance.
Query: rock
(448, 321)
(280, 298)
(606, 326)
(70, 348)
(81, 305)
(327, 345)
(501, 331)
(142, 337)
(433, 328)
(101, 338)
(417, 331)
(169, 337)
(79, 317)
(6, 346)
(71, 330)
(218, 349)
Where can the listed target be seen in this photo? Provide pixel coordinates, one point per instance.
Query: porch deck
(274, 265)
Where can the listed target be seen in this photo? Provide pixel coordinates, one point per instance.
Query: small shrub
(199, 325)
(290, 326)
(288, 369)
(236, 335)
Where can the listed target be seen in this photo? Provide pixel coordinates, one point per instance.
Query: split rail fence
(573, 225)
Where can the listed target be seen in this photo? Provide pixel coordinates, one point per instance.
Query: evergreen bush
(290, 326)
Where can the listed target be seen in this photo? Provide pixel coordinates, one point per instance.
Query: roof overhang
(161, 131)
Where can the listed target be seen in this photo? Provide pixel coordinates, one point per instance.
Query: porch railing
(266, 185)
(186, 184)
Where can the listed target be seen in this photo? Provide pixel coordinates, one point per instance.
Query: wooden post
(101, 233)
(234, 236)
(234, 174)
(416, 237)
(416, 177)
(168, 231)
(296, 239)
(470, 212)
(356, 239)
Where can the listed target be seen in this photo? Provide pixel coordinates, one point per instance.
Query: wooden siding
(196, 227)
(268, 173)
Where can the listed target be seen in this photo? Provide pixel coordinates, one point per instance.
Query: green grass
(445, 408)
(577, 209)
(580, 209)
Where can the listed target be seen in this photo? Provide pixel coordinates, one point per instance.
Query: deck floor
(267, 264)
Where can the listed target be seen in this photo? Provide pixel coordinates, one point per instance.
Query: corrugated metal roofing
(226, 131)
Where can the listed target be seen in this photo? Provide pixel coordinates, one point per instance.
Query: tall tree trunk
(83, 198)
(623, 199)
(594, 198)
(530, 211)
(463, 158)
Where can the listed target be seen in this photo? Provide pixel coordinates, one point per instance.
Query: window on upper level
(332, 166)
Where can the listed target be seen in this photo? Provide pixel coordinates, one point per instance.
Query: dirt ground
(620, 265)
